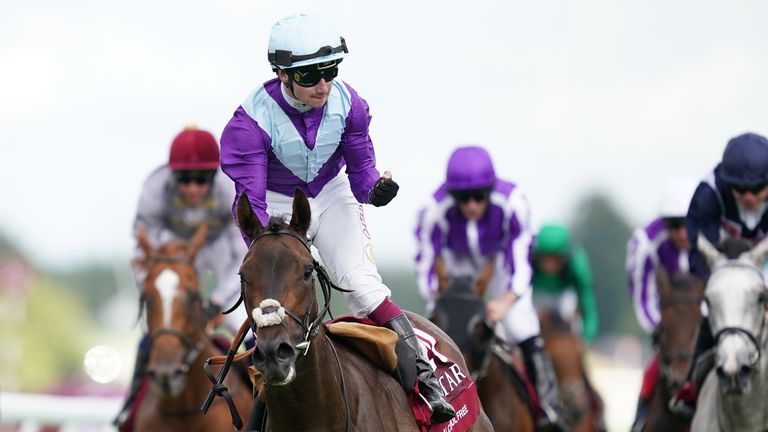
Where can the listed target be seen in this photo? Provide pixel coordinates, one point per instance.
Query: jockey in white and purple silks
(663, 243)
(476, 220)
(175, 200)
(731, 202)
(299, 130)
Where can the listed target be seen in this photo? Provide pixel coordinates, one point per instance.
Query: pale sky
(567, 96)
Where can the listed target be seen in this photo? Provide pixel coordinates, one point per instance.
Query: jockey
(563, 271)
(473, 221)
(175, 200)
(299, 130)
(662, 243)
(731, 202)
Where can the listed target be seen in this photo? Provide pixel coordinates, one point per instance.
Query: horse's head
(174, 310)
(278, 288)
(736, 297)
(680, 303)
(460, 313)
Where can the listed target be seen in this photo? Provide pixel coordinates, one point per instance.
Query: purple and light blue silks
(270, 145)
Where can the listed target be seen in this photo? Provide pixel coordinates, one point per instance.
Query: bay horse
(310, 382)
(581, 405)
(460, 312)
(680, 300)
(179, 344)
(734, 396)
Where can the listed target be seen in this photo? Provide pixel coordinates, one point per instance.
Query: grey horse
(734, 396)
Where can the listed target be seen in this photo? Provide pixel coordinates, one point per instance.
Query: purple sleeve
(357, 149)
(429, 244)
(518, 248)
(641, 275)
(244, 159)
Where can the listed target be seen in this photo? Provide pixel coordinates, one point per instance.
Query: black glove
(210, 311)
(383, 191)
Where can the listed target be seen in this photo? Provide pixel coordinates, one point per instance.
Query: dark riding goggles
(200, 177)
(754, 189)
(310, 75)
(674, 222)
(464, 196)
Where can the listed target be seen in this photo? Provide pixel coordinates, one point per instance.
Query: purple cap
(469, 168)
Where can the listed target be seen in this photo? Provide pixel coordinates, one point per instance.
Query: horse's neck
(316, 389)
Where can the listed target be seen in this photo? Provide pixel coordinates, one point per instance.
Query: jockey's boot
(429, 388)
(683, 402)
(650, 380)
(538, 365)
(139, 372)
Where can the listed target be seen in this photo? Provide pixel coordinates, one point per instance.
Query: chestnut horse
(179, 345)
(680, 303)
(311, 383)
(460, 312)
(581, 405)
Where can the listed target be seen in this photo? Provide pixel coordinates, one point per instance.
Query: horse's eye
(308, 272)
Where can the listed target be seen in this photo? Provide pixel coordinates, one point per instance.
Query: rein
(310, 330)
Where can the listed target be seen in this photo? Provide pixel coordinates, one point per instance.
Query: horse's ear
(302, 215)
(662, 281)
(141, 237)
(706, 248)
(197, 241)
(247, 221)
(759, 252)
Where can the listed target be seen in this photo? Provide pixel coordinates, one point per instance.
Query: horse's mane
(277, 224)
(733, 247)
(685, 282)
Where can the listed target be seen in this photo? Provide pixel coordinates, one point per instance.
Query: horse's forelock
(732, 248)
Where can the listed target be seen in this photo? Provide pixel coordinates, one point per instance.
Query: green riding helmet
(553, 239)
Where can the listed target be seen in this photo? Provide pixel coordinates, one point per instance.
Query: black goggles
(308, 76)
(199, 177)
(674, 222)
(464, 196)
(755, 189)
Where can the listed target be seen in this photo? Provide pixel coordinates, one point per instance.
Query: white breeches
(341, 236)
(521, 320)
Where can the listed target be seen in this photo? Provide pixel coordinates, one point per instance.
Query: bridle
(193, 348)
(683, 354)
(309, 327)
(754, 340)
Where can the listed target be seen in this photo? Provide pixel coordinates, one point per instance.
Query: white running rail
(32, 411)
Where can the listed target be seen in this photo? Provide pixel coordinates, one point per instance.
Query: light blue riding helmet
(304, 39)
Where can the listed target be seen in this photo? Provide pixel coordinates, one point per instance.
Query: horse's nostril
(745, 371)
(285, 352)
(258, 355)
(151, 373)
